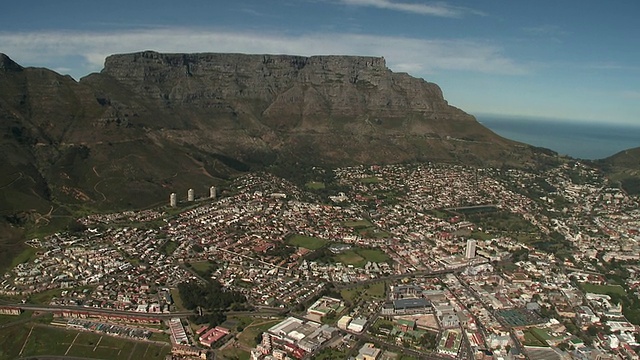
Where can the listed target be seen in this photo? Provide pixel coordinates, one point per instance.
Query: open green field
(201, 266)
(233, 353)
(481, 235)
(373, 255)
(370, 180)
(351, 257)
(27, 255)
(331, 353)
(366, 229)
(11, 340)
(177, 300)
(360, 257)
(307, 242)
(247, 339)
(6, 319)
(358, 224)
(46, 340)
(365, 292)
(45, 296)
(249, 334)
(603, 289)
(315, 185)
(535, 338)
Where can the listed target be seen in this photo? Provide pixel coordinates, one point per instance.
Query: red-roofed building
(8, 310)
(202, 330)
(213, 335)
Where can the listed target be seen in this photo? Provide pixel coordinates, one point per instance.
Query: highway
(266, 311)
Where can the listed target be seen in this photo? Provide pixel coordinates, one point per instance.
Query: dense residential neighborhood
(396, 262)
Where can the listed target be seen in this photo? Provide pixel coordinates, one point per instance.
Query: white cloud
(417, 56)
(437, 9)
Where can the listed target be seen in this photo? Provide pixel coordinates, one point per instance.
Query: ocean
(581, 140)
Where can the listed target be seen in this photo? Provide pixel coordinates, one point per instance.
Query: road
(265, 311)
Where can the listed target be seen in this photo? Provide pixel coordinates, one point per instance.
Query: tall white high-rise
(173, 200)
(212, 192)
(471, 249)
(190, 195)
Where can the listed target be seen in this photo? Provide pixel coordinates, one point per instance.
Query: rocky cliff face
(150, 124)
(284, 85)
(253, 107)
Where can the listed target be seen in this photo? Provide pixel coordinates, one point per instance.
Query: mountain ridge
(150, 124)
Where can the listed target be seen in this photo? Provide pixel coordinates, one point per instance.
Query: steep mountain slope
(150, 124)
(623, 167)
(327, 108)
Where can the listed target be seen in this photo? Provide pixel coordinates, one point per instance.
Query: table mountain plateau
(150, 124)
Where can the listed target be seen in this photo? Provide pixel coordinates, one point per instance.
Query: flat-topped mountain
(150, 124)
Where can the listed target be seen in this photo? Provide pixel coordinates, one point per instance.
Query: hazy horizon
(582, 140)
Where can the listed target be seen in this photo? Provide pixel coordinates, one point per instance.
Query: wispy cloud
(545, 29)
(611, 65)
(553, 32)
(634, 95)
(440, 9)
(418, 56)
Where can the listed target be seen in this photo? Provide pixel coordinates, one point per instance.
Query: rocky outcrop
(6, 64)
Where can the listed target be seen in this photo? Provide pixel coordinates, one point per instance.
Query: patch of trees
(502, 221)
(322, 255)
(214, 318)
(198, 248)
(281, 250)
(300, 174)
(210, 297)
(521, 254)
(631, 185)
(213, 266)
(556, 244)
(429, 340)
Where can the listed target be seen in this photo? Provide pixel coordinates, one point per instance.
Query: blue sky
(568, 59)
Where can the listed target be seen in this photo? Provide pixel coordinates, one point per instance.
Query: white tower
(471, 249)
(212, 192)
(173, 200)
(190, 195)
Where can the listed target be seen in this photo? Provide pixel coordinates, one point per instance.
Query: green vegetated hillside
(624, 167)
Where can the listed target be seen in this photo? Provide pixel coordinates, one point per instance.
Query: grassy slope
(623, 167)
